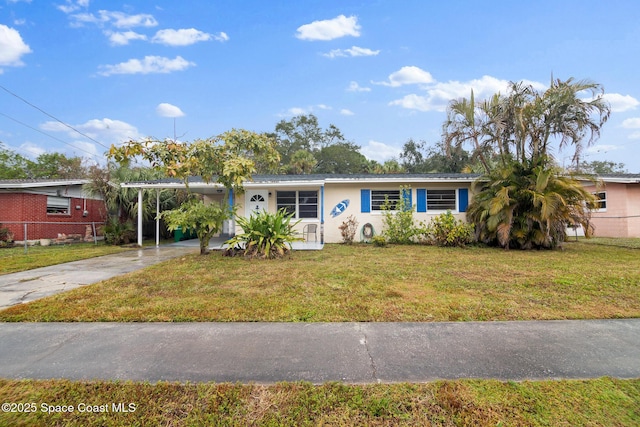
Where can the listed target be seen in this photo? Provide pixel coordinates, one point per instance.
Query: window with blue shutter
(463, 199)
(365, 201)
(421, 195)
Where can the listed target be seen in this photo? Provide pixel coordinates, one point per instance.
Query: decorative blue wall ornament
(339, 208)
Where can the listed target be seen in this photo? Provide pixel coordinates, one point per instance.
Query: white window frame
(600, 201)
(456, 200)
(380, 202)
(298, 203)
(56, 203)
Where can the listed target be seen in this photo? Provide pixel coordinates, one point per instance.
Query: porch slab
(218, 243)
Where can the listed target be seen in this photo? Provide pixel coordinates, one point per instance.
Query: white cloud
(107, 131)
(121, 39)
(114, 18)
(168, 110)
(221, 36)
(407, 76)
(353, 51)
(632, 123)
(329, 29)
(346, 112)
(148, 65)
(438, 95)
(620, 103)
(355, 87)
(323, 107)
(379, 151)
(33, 149)
(183, 37)
(123, 20)
(71, 6)
(12, 47)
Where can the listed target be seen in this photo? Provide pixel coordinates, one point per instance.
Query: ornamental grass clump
(264, 235)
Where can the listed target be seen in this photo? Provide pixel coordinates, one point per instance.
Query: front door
(256, 201)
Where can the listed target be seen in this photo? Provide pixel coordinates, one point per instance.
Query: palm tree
(524, 123)
(302, 162)
(528, 206)
(465, 123)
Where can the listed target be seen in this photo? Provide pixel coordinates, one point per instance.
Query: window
(441, 200)
(58, 205)
(378, 198)
(303, 204)
(601, 202)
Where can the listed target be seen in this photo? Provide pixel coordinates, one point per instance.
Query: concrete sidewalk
(320, 352)
(17, 288)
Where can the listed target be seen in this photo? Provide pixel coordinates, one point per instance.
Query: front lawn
(363, 283)
(600, 402)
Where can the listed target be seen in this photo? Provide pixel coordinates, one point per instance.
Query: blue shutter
(421, 195)
(365, 201)
(463, 199)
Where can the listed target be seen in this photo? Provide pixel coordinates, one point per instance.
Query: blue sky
(381, 71)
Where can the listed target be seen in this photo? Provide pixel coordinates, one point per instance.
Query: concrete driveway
(17, 288)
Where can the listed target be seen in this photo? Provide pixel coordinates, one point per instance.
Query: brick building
(48, 207)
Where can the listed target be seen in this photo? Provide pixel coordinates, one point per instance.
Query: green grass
(631, 242)
(14, 259)
(600, 402)
(363, 283)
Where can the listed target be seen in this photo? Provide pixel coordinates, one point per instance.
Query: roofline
(275, 182)
(38, 184)
(620, 180)
(399, 179)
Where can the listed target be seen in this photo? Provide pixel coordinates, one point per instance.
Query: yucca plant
(265, 235)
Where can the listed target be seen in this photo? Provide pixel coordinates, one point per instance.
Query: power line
(50, 136)
(53, 117)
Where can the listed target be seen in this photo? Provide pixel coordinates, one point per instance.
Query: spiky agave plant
(265, 235)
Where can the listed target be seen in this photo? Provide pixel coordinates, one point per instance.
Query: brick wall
(33, 207)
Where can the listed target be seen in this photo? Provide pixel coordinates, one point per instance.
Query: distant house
(618, 212)
(48, 207)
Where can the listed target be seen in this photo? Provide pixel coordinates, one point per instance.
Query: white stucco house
(327, 200)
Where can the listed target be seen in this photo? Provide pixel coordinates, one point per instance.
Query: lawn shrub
(399, 226)
(119, 233)
(6, 238)
(348, 229)
(379, 241)
(446, 230)
(264, 235)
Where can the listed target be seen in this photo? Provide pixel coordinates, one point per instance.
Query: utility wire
(53, 117)
(50, 136)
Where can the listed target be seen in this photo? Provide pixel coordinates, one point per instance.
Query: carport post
(139, 216)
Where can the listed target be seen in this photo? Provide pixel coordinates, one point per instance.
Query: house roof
(624, 178)
(197, 182)
(39, 183)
